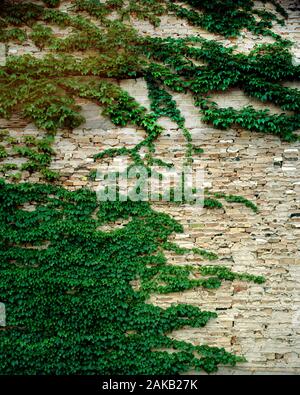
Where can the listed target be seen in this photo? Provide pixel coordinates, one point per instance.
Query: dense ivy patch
(26, 82)
(67, 286)
(98, 48)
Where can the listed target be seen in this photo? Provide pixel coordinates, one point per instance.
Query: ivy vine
(67, 286)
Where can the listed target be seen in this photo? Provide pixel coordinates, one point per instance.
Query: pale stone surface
(238, 99)
(94, 118)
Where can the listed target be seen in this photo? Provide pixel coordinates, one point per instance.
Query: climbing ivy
(37, 152)
(68, 285)
(162, 104)
(117, 51)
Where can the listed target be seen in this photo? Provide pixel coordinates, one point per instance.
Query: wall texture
(260, 321)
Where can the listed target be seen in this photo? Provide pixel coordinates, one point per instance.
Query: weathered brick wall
(260, 321)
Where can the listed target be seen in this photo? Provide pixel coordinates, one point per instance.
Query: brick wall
(260, 321)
